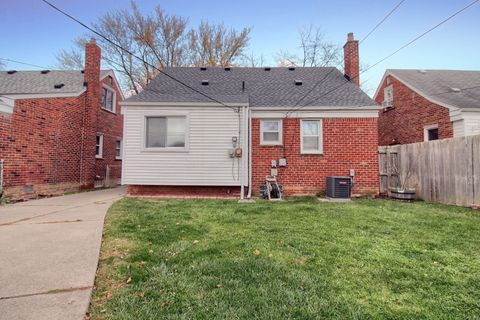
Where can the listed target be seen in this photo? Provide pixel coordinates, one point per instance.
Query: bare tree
(161, 40)
(215, 45)
(251, 60)
(313, 50)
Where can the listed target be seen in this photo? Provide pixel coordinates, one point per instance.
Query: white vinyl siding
(271, 132)
(472, 123)
(207, 160)
(311, 136)
(458, 128)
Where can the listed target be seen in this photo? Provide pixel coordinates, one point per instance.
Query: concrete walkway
(49, 252)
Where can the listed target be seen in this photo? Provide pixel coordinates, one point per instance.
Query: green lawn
(298, 259)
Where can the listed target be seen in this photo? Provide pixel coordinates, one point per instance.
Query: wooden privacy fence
(446, 171)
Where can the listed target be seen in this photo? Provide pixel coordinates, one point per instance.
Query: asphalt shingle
(442, 85)
(273, 88)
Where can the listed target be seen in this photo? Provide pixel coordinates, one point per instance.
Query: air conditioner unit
(339, 187)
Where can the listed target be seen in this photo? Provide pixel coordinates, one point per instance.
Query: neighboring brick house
(59, 130)
(180, 142)
(422, 105)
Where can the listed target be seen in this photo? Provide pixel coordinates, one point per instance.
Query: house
(59, 130)
(217, 131)
(423, 105)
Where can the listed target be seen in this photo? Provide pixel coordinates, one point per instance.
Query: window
(166, 132)
(431, 132)
(388, 97)
(311, 136)
(271, 132)
(108, 99)
(118, 149)
(99, 146)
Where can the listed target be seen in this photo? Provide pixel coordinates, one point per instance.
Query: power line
(382, 21)
(24, 63)
(338, 64)
(134, 55)
(393, 53)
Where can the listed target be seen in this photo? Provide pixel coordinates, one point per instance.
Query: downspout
(244, 140)
(83, 137)
(249, 114)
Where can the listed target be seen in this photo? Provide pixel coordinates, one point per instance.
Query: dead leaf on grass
(129, 280)
(218, 285)
(257, 252)
(195, 241)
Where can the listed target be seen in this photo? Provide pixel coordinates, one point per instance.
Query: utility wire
(338, 64)
(393, 53)
(24, 63)
(382, 21)
(134, 55)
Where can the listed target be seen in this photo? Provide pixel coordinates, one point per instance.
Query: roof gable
(441, 86)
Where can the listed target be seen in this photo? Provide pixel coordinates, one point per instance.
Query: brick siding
(405, 122)
(348, 143)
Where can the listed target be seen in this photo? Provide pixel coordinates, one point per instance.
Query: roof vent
(204, 82)
(422, 71)
(298, 82)
(59, 86)
(44, 71)
(456, 89)
(203, 68)
(291, 68)
(228, 69)
(11, 71)
(83, 71)
(346, 76)
(267, 69)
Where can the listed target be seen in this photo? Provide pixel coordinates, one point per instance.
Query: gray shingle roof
(34, 82)
(441, 85)
(274, 88)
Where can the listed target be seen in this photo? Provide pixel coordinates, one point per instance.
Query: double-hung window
(118, 149)
(108, 99)
(271, 132)
(166, 132)
(311, 137)
(99, 146)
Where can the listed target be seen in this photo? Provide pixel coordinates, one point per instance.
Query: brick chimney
(92, 106)
(351, 59)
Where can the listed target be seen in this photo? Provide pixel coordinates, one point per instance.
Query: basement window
(108, 99)
(311, 137)
(430, 132)
(99, 146)
(166, 133)
(271, 132)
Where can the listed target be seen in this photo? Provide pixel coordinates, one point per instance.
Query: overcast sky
(32, 32)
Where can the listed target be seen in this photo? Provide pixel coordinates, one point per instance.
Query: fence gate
(388, 166)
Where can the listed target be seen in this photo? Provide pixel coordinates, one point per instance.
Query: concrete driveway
(49, 252)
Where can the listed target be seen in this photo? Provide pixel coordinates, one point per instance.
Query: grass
(298, 259)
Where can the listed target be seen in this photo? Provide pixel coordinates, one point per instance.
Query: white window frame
(320, 137)
(100, 149)
(119, 157)
(388, 103)
(280, 133)
(427, 128)
(166, 149)
(114, 98)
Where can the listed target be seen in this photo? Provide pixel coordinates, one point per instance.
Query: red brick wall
(411, 113)
(42, 147)
(5, 127)
(184, 191)
(348, 143)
